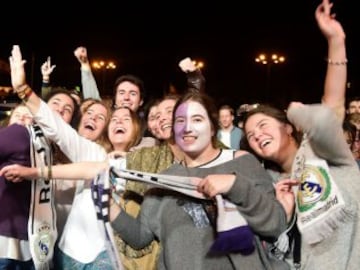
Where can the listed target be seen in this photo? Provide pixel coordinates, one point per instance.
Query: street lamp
(269, 61)
(274, 59)
(198, 64)
(103, 66)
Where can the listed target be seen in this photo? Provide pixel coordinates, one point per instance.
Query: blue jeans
(9, 264)
(65, 262)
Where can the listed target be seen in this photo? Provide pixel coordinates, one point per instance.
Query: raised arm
(74, 146)
(89, 86)
(195, 79)
(336, 73)
(324, 131)
(46, 70)
(18, 81)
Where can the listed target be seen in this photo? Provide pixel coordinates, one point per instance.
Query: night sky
(149, 39)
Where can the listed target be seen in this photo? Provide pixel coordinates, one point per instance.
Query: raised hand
(47, 69)
(18, 77)
(81, 55)
(187, 65)
(327, 23)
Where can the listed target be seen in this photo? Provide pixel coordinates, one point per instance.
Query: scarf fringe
(319, 231)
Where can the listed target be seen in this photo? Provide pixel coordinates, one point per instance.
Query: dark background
(149, 39)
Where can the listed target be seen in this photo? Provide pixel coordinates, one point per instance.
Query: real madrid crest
(43, 242)
(315, 186)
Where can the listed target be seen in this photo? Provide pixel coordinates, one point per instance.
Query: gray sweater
(325, 135)
(186, 245)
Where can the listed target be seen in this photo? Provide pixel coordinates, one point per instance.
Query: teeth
(264, 143)
(188, 138)
(90, 127)
(119, 129)
(165, 126)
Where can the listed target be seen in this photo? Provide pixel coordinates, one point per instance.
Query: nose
(22, 119)
(60, 110)
(188, 126)
(257, 134)
(162, 118)
(119, 121)
(126, 96)
(92, 117)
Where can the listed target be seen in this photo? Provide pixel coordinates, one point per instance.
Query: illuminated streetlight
(198, 64)
(274, 59)
(269, 61)
(103, 66)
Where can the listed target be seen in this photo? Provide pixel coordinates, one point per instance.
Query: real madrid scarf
(101, 193)
(320, 206)
(42, 218)
(233, 232)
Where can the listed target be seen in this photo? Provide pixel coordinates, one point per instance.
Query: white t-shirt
(225, 138)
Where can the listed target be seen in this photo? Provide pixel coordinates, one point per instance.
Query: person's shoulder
(15, 131)
(240, 153)
(16, 128)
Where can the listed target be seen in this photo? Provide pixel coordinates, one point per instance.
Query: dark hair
(132, 79)
(271, 111)
(61, 90)
(209, 105)
(350, 129)
(351, 99)
(149, 105)
(227, 107)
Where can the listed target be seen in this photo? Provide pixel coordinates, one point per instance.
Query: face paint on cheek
(201, 129)
(197, 128)
(180, 126)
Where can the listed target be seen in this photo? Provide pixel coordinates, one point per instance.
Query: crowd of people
(90, 183)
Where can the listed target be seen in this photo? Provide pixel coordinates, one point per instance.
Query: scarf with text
(320, 206)
(101, 193)
(42, 218)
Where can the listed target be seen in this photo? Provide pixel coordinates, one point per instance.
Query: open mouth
(119, 130)
(90, 127)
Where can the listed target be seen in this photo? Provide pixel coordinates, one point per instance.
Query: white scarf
(320, 205)
(42, 218)
(101, 192)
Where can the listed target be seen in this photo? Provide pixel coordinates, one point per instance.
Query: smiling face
(164, 118)
(128, 95)
(93, 121)
(192, 128)
(225, 118)
(354, 106)
(151, 121)
(121, 130)
(21, 116)
(268, 137)
(62, 104)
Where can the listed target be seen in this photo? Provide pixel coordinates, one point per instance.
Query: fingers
(206, 188)
(286, 185)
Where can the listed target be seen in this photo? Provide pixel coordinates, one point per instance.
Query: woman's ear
(289, 129)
